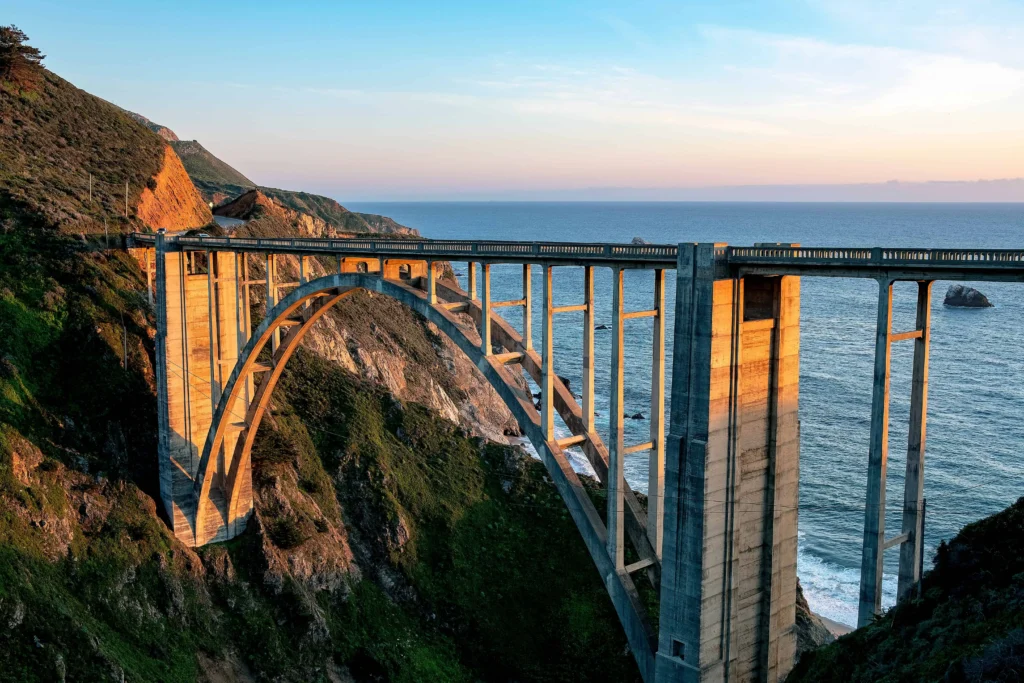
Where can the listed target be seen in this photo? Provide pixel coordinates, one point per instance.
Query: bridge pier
(911, 539)
(728, 585)
(197, 344)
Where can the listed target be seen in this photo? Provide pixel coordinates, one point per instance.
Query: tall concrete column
(149, 278)
(728, 581)
(161, 369)
(878, 455)
(616, 444)
(679, 634)
(588, 349)
(271, 272)
(527, 307)
(656, 460)
(913, 491)
(212, 316)
(485, 311)
(471, 280)
(431, 284)
(547, 372)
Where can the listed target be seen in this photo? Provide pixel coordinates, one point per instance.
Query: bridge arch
(298, 312)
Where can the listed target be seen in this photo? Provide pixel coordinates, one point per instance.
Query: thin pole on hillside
(90, 188)
(106, 235)
(126, 199)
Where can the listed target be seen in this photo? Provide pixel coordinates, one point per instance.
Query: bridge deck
(899, 263)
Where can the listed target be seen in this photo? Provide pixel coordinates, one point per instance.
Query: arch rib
(337, 286)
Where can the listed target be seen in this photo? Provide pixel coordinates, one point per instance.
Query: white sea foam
(834, 591)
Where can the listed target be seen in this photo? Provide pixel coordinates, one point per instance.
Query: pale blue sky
(438, 100)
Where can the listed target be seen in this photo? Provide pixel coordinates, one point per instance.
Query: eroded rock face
(173, 202)
(961, 296)
(384, 342)
(811, 631)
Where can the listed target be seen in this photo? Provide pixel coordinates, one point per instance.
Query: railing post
(527, 308)
(485, 310)
(547, 412)
(911, 550)
(588, 349)
(656, 462)
(874, 506)
(616, 445)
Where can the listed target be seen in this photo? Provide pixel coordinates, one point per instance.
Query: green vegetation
(385, 541)
(968, 625)
(333, 213)
(210, 175)
(53, 138)
(20, 64)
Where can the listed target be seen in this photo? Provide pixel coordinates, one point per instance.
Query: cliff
(171, 201)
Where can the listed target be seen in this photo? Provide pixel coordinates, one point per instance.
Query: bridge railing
(662, 254)
(453, 249)
(877, 257)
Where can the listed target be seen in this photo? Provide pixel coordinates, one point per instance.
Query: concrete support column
(616, 445)
(471, 283)
(527, 307)
(303, 269)
(547, 372)
(271, 268)
(588, 349)
(656, 461)
(913, 491)
(878, 455)
(431, 284)
(149, 279)
(679, 655)
(485, 307)
(213, 318)
(161, 373)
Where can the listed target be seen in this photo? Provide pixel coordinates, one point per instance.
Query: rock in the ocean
(639, 240)
(601, 327)
(965, 297)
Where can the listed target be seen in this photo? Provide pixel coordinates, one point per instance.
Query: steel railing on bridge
(642, 255)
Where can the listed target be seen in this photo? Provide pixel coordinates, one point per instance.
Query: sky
(452, 100)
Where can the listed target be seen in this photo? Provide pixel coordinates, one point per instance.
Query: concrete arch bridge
(718, 537)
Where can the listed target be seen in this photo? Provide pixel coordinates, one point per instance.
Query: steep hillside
(387, 543)
(53, 139)
(216, 180)
(219, 183)
(163, 131)
(336, 215)
(968, 624)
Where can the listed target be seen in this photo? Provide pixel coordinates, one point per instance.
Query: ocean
(974, 462)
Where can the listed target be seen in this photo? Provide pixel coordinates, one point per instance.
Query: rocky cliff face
(171, 201)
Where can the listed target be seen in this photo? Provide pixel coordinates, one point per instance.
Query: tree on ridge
(20, 64)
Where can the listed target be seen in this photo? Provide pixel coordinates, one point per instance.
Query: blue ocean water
(974, 462)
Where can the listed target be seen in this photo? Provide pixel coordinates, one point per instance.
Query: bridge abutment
(728, 602)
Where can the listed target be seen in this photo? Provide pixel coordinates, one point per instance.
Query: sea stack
(960, 296)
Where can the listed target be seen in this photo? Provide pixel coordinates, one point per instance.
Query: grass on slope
(967, 626)
(206, 170)
(477, 531)
(51, 140)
